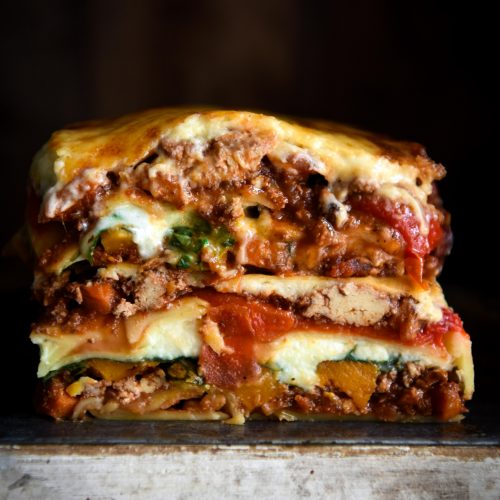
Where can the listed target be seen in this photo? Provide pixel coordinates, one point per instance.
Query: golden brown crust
(131, 138)
(76, 160)
(402, 152)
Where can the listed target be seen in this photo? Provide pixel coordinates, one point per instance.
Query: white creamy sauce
(171, 334)
(148, 229)
(298, 354)
(327, 200)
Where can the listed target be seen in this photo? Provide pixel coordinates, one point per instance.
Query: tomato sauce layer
(247, 323)
(244, 323)
(402, 219)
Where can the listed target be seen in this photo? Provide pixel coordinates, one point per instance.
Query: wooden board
(206, 472)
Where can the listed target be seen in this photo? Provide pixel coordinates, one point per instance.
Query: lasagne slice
(221, 265)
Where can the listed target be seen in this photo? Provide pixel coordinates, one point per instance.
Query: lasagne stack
(221, 265)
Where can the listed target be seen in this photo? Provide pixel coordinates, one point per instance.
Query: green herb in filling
(189, 241)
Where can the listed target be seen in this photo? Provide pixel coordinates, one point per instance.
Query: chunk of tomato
(242, 323)
(400, 217)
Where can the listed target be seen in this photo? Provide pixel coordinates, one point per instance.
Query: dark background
(422, 71)
(415, 70)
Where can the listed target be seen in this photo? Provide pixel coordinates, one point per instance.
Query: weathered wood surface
(205, 472)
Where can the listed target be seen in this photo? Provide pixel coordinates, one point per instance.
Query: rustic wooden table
(264, 471)
(261, 459)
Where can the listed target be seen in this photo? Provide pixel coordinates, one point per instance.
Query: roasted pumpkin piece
(258, 392)
(55, 401)
(100, 297)
(116, 240)
(117, 370)
(356, 378)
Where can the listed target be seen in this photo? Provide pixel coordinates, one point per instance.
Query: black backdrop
(416, 70)
(422, 71)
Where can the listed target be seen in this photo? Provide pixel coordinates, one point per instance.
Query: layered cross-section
(222, 265)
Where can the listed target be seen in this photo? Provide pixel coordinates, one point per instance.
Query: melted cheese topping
(77, 159)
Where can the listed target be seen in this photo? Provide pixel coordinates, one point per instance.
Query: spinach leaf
(76, 370)
(201, 226)
(185, 261)
(182, 238)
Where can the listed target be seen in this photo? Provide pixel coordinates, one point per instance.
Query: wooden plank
(207, 472)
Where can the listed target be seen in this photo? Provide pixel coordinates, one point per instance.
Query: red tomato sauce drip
(435, 233)
(401, 218)
(241, 317)
(433, 333)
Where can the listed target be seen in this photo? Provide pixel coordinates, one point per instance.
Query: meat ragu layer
(139, 216)
(272, 220)
(122, 390)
